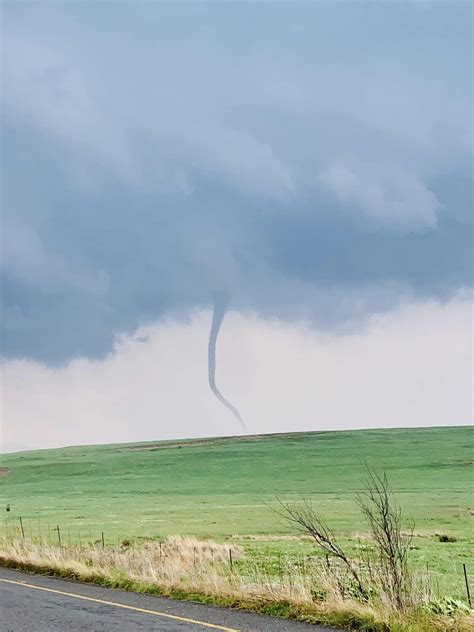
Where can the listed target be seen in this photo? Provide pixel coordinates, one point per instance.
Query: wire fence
(38, 532)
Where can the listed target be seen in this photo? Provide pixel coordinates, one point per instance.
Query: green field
(225, 488)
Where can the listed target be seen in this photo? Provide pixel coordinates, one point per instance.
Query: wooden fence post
(467, 586)
(21, 527)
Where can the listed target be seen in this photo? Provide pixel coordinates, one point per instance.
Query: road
(35, 603)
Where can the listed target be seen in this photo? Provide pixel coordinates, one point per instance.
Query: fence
(35, 531)
(38, 532)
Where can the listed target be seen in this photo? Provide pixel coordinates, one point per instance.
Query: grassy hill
(225, 487)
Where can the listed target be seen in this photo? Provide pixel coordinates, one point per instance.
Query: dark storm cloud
(309, 161)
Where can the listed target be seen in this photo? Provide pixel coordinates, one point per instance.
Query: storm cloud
(313, 161)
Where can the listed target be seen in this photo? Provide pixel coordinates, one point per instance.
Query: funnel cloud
(220, 307)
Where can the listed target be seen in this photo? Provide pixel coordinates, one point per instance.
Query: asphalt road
(35, 603)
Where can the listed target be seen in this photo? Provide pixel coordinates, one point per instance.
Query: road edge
(280, 609)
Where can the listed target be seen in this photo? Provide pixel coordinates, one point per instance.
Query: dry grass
(189, 568)
(271, 538)
(182, 562)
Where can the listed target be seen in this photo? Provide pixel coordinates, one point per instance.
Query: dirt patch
(162, 446)
(174, 444)
(271, 538)
(4, 471)
(165, 445)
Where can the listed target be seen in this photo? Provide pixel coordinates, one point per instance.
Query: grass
(223, 489)
(200, 571)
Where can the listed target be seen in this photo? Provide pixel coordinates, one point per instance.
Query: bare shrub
(308, 521)
(392, 536)
(384, 569)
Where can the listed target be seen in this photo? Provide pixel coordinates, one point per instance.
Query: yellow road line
(121, 605)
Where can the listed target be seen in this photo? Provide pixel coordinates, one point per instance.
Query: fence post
(103, 540)
(467, 586)
(59, 534)
(21, 527)
(231, 561)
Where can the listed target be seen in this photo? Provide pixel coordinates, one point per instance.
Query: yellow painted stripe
(121, 605)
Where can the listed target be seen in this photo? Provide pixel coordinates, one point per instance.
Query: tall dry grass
(183, 562)
(312, 591)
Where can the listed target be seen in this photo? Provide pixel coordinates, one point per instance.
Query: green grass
(225, 487)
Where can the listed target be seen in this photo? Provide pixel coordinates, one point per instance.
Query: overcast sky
(313, 160)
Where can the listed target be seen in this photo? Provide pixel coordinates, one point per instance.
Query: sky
(311, 160)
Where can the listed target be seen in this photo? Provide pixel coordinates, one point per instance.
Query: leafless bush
(387, 570)
(392, 536)
(307, 520)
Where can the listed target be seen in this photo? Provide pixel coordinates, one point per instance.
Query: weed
(446, 538)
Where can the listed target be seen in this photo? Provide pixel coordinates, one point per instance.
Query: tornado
(220, 307)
